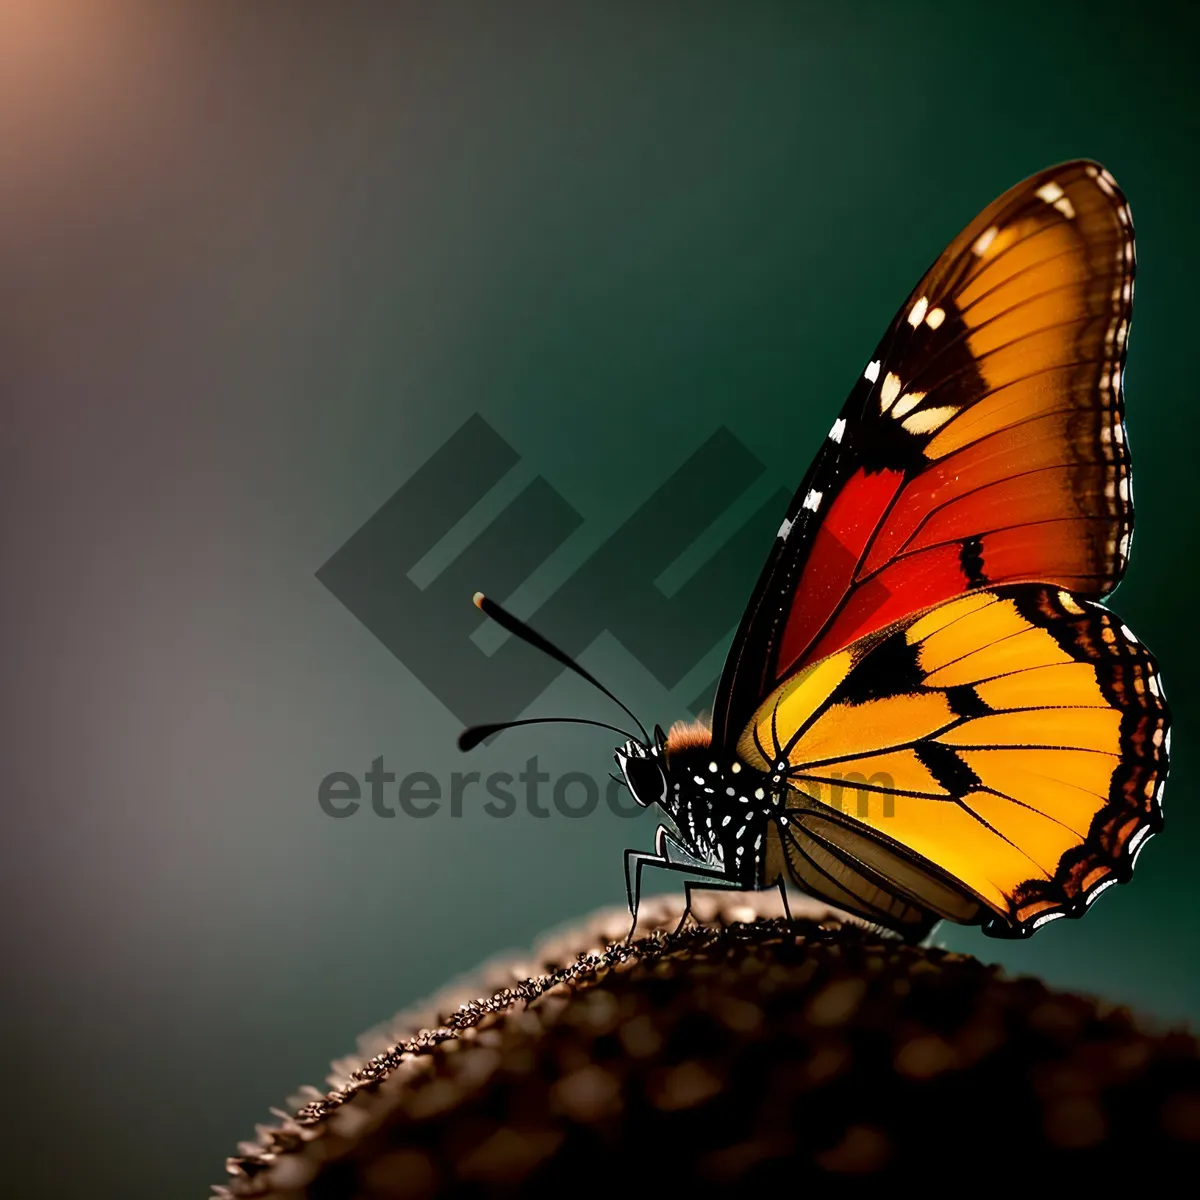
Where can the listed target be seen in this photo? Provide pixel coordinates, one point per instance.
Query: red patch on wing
(1024, 474)
(837, 549)
(907, 586)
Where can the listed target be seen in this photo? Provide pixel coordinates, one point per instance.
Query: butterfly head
(662, 771)
(720, 807)
(645, 769)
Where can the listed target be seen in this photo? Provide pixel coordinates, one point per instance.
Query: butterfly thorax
(721, 808)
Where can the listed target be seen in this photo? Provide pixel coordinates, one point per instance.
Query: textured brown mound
(742, 1053)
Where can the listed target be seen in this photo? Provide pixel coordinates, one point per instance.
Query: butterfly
(927, 713)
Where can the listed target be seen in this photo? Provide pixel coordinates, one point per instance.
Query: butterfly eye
(645, 778)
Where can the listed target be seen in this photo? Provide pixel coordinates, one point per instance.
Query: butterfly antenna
(470, 738)
(518, 628)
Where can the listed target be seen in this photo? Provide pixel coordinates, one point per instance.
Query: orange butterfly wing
(984, 443)
(996, 760)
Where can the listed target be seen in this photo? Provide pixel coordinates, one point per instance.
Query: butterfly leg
(668, 855)
(668, 852)
(728, 885)
(706, 885)
(787, 908)
(634, 861)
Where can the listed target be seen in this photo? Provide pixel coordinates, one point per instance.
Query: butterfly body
(731, 823)
(722, 811)
(925, 729)
(927, 712)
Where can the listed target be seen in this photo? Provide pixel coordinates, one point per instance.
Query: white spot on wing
(1133, 862)
(813, 499)
(889, 390)
(984, 240)
(1045, 920)
(839, 427)
(935, 318)
(928, 420)
(1053, 195)
(907, 403)
(917, 313)
(1138, 838)
(872, 371)
(784, 529)
(1097, 891)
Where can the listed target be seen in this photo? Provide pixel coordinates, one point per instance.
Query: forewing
(983, 444)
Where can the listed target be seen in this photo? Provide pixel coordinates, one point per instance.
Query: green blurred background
(259, 262)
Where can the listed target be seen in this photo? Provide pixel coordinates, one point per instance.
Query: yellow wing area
(998, 759)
